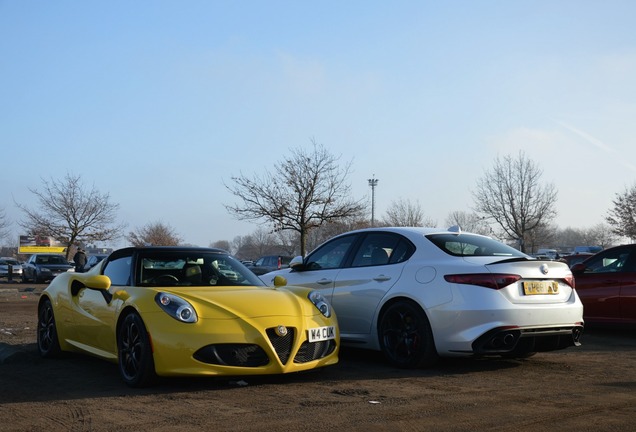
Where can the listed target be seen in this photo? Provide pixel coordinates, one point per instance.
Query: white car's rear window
(472, 245)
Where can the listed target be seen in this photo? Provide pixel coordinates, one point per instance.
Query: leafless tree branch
(308, 189)
(512, 195)
(71, 213)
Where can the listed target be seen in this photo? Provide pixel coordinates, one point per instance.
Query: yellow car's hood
(247, 302)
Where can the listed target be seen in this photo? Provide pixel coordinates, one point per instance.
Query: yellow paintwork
(87, 323)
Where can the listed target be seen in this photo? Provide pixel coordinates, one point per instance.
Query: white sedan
(420, 293)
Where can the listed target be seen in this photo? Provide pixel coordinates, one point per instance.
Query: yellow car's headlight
(320, 302)
(176, 307)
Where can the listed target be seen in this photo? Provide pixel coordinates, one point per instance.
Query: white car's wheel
(405, 336)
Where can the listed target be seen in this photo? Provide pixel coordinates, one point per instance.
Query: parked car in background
(7, 263)
(42, 267)
(587, 249)
(550, 253)
(419, 293)
(93, 260)
(184, 311)
(266, 264)
(575, 258)
(606, 284)
(541, 257)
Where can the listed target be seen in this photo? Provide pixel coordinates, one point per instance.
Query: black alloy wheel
(48, 342)
(405, 336)
(136, 364)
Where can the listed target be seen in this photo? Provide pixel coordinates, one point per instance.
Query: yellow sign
(40, 249)
(40, 244)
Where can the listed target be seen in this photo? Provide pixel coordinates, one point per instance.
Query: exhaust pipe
(576, 335)
(504, 340)
(508, 339)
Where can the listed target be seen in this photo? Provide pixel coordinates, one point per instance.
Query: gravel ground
(590, 388)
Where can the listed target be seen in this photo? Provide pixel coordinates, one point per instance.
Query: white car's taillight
(488, 280)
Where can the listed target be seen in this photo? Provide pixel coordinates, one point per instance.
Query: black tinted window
(610, 261)
(472, 245)
(330, 255)
(402, 252)
(118, 270)
(381, 249)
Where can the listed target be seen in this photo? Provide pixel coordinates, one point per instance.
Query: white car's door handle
(382, 278)
(324, 281)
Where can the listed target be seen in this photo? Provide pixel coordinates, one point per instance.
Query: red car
(606, 284)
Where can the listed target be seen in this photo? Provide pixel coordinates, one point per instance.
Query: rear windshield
(472, 245)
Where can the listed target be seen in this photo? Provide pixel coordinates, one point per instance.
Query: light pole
(373, 182)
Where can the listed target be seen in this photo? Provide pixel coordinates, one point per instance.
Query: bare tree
(156, 234)
(567, 238)
(622, 218)
(542, 236)
(251, 246)
(288, 242)
(221, 244)
(600, 235)
(237, 246)
(332, 229)
(72, 213)
(512, 196)
(4, 224)
(470, 222)
(308, 189)
(261, 242)
(405, 213)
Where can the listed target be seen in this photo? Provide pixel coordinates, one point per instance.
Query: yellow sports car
(183, 311)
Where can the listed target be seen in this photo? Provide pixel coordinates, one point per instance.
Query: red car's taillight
(488, 280)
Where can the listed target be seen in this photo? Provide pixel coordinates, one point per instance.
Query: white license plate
(321, 333)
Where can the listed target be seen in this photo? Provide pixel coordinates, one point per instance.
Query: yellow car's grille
(252, 355)
(282, 344)
(314, 350)
(243, 355)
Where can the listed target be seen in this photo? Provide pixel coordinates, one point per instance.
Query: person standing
(80, 260)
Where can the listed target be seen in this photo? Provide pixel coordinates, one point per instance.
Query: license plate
(321, 333)
(540, 287)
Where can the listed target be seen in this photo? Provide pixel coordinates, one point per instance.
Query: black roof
(184, 249)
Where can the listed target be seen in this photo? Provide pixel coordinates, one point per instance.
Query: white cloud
(598, 144)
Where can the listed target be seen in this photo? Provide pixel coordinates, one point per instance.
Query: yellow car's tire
(136, 364)
(48, 342)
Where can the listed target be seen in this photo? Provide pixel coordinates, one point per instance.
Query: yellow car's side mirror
(280, 281)
(99, 282)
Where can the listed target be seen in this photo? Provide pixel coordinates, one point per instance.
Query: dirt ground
(590, 388)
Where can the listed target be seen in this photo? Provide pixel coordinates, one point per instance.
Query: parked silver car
(419, 293)
(8, 263)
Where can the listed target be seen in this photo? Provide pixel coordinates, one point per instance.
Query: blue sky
(159, 103)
